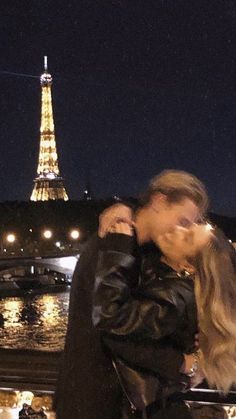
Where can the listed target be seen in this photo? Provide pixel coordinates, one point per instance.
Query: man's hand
(121, 227)
(114, 216)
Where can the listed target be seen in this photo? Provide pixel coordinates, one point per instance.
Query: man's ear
(158, 200)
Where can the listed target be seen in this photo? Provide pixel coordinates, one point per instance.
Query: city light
(11, 238)
(47, 234)
(74, 234)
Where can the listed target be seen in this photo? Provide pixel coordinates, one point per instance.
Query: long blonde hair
(215, 290)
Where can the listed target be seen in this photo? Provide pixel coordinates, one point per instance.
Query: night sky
(138, 87)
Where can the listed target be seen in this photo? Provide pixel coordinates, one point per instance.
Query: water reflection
(37, 322)
(11, 313)
(49, 311)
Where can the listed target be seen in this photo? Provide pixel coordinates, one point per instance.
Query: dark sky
(139, 86)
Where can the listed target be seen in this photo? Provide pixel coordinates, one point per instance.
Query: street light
(11, 238)
(74, 234)
(47, 234)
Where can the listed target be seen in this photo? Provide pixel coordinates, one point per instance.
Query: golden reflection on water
(34, 322)
(12, 308)
(50, 310)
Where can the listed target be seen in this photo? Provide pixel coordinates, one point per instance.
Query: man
(88, 385)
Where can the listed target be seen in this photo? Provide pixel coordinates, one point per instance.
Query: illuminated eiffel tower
(48, 184)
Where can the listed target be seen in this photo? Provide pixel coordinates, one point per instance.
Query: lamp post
(74, 235)
(10, 239)
(46, 243)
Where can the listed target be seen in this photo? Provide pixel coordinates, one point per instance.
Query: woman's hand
(190, 361)
(197, 379)
(112, 217)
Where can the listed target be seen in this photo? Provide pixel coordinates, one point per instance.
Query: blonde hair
(176, 185)
(215, 290)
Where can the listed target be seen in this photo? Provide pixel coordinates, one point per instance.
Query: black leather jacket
(138, 298)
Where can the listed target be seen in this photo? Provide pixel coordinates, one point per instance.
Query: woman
(161, 308)
(214, 264)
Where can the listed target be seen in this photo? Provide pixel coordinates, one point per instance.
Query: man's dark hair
(176, 185)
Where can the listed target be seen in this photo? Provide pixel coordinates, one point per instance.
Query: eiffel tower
(48, 184)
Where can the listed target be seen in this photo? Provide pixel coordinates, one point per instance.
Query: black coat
(159, 310)
(88, 386)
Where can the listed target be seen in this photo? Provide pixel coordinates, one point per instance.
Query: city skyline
(137, 89)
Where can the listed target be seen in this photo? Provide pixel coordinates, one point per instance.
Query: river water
(34, 322)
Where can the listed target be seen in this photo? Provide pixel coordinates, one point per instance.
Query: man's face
(184, 243)
(165, 216)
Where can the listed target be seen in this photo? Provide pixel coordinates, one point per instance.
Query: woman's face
(182, 243)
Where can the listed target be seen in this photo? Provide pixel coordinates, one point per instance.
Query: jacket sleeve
(121, 311)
